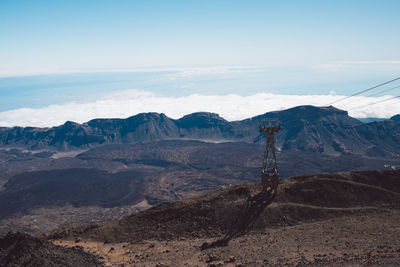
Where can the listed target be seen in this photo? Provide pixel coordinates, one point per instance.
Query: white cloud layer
(231, 107)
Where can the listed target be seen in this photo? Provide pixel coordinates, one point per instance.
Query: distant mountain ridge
(395, 117)
(325, 130)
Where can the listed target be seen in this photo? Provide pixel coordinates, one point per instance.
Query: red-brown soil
(339, 219)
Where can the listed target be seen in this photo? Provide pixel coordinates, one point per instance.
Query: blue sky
(124, 34)
(57, 52)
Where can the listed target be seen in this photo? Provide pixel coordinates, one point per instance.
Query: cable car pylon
(269, 173)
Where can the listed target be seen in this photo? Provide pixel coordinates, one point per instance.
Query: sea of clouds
(232, 107)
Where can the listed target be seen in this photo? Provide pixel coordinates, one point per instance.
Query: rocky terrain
(18, 249)
(337, 219)
(113, 181)
(348, 241)
(108, 169)
(301, 199)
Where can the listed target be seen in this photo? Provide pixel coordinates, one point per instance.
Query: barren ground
(349, 241)
(342, 219)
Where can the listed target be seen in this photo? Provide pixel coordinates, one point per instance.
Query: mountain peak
(67, 123)
(203, 114)
(202, 120)
(306, 112)
(395, 117)
(323, 111)
(147, 115)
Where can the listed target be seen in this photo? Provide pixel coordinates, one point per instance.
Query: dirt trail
(351, 241)
(326, 220)
(360, 184)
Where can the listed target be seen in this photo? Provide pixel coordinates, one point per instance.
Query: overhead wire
(363, 91)
(383, 91)
(358, 93)
(381, 101)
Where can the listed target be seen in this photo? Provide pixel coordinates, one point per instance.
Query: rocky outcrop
(395, 117)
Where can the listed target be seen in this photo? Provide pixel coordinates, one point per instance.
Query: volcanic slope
(17, 249)
(339, 218)
(114, 181)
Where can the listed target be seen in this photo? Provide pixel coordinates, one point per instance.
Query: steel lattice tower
(269, 174)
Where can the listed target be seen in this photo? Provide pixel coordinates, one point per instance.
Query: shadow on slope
(253, 208)
(299, 200)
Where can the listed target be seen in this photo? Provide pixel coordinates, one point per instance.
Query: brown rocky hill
(336, 219)
(333, 219)
(300, 200)
(17, 249)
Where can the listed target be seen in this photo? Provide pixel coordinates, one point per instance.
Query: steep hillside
(300, 200)
(338, 219)
(18, 249)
